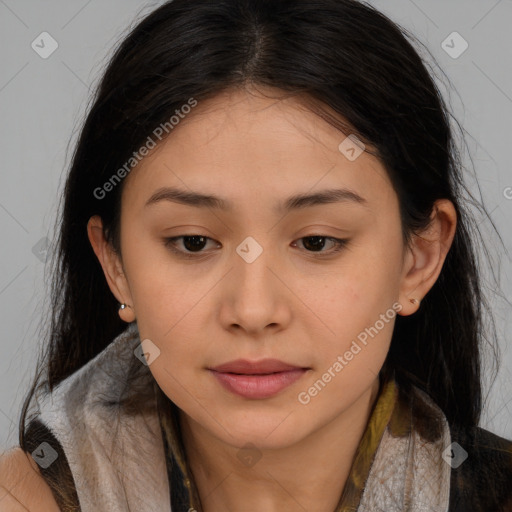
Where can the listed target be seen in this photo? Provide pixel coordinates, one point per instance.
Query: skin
(290, 303)
(22, 487)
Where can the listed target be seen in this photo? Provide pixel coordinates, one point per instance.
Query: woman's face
(253, 286)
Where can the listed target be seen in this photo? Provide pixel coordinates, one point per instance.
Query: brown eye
(191, 244)
(316, 243)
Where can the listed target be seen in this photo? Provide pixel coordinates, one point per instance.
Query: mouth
(257, 380)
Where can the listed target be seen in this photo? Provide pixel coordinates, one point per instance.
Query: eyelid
(340, 244)
(169, 243)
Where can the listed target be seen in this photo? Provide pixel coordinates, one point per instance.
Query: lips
(265, 366)
(258, 379)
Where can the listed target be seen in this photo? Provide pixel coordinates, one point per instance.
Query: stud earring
(414, 301)
(127, 316)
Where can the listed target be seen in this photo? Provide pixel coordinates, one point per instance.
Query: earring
(414, 301)
(127, 316)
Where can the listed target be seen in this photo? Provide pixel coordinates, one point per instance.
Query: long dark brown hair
(344, 57)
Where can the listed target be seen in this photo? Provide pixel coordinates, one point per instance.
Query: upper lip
(264, 366)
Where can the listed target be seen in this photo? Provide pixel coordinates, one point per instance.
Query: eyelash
(340, 244)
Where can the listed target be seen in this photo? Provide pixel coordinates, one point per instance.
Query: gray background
(42, 102)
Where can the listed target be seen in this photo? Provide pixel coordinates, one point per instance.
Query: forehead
(245, 143)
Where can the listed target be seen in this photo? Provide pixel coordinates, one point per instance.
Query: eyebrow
(294, 202)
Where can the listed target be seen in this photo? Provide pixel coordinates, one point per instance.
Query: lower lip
(258, 386)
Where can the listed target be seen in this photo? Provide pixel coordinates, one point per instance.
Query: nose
(255, 298)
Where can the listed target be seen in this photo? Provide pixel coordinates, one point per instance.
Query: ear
(112, 267)
(425, 258)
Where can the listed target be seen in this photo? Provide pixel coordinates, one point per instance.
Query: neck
(307, 475)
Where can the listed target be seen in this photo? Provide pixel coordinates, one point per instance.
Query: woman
(266, 295)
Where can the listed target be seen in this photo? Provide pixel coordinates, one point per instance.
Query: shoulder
(482, 476)
(22, 487)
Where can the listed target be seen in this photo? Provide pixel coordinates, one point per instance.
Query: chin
(272, 431)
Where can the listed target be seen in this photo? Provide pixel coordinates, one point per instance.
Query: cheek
(164, 299)
(357, 307)
(181, 344)
(159, 288)
(358, 312)
(355, 295)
